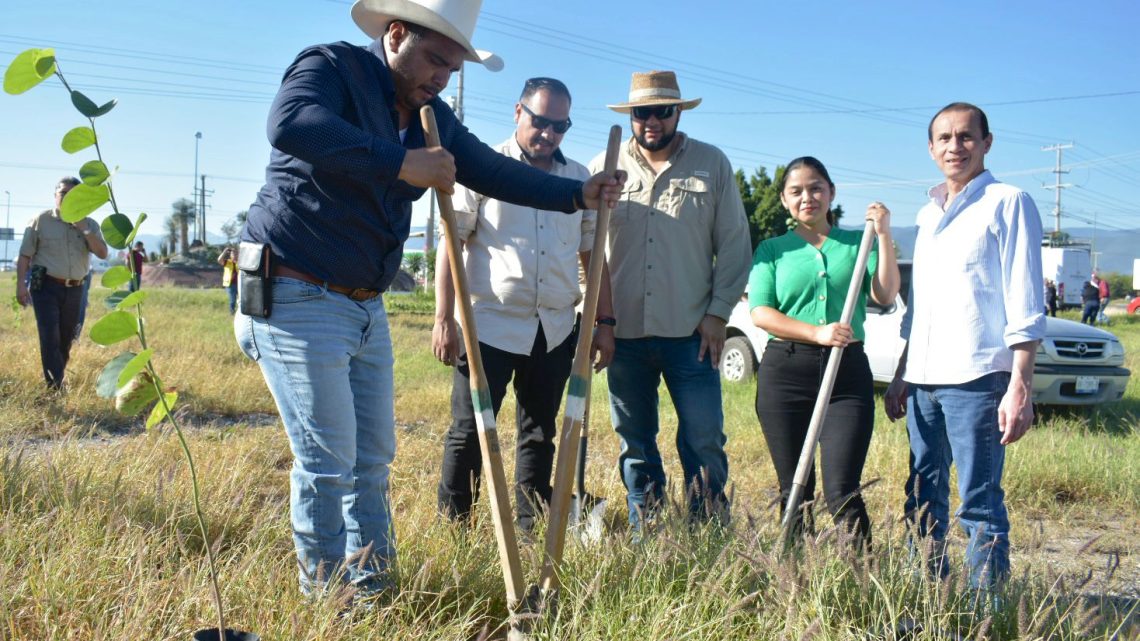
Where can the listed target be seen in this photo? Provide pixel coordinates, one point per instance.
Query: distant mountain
(1117, 249)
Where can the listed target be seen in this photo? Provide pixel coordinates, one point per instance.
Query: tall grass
(97, 540)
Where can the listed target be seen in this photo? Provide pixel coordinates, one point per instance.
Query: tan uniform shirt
(522, 262)
(678, 245)
(58, 246)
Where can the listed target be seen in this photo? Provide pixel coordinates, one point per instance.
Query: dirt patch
(175, 275)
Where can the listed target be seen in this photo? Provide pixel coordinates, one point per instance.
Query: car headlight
(1115, 348)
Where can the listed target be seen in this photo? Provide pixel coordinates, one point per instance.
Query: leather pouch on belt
(255, 291)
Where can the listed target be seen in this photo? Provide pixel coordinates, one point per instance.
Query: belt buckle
(361, 294)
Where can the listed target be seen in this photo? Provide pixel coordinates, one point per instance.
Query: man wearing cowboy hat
(522, 273)
(678, 252)
(326, 235)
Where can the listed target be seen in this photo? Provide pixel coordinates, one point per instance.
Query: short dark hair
(810, 162)
(556, 87)
(415, 31)
(67, 180)
(960, 106)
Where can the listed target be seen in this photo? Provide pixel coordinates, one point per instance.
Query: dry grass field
(97, 538)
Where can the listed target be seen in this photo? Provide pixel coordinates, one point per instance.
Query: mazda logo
(1082, 348)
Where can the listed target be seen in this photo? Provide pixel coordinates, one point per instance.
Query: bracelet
(605, 320)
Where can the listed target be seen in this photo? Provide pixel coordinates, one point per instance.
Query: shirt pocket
(690, 199)
(627, 208)
(568, 228)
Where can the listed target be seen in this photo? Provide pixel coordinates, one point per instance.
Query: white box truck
(1069, 268)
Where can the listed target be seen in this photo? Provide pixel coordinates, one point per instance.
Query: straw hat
(454, 19)
(654, 88)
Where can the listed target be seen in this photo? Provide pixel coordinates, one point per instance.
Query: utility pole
(1057, 187)
(194, 183)
(202, 193)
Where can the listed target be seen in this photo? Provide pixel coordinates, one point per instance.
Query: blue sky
(851, 83)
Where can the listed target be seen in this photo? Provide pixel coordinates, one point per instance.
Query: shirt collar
(386, 84)
(514, 150)
(939, 192)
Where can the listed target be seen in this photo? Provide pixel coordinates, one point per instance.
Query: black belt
(66, 282)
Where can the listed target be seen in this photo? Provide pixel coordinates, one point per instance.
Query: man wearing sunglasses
(522, 272)
(679, 250)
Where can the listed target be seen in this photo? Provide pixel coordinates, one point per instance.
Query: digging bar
(577, 394)
(481, 400)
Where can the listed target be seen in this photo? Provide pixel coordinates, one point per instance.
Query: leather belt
(66, 282)
(355, 293)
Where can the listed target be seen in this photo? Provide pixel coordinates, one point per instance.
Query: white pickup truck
(1076, 364)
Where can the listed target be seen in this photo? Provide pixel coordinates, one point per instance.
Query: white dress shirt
(977, 287)
(522, 263)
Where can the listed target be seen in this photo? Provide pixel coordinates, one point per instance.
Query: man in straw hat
(522, 272)
(326, 236)
(678, 252)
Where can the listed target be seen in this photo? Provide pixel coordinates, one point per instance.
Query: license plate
(1087, 384)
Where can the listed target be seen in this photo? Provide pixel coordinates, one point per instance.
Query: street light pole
(7, 223)
(197, 214)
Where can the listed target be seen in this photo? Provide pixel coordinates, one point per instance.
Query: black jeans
(787, 384)
(57, 316)
(539, 381)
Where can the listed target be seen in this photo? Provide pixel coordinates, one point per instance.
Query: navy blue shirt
(332, 205)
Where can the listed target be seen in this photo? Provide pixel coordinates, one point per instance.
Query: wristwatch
(606, 320)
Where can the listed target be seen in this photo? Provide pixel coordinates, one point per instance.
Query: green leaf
(115, 276)
(108, 382)
(136, 365)
(78, 139)
(29, 69)
(114, 327)
(136, 394)
(117, 231)
(82, 200)
(138, 224)
(94, 173)
(159, 412)
(136, 298)
(114, 298)
(88, 108)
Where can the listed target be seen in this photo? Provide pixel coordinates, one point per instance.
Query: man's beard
(661, 143)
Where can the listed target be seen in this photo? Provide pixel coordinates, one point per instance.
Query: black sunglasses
(542, 122)
(663, 112)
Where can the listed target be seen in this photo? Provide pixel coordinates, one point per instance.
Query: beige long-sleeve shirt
(678, 245)
(522, 262)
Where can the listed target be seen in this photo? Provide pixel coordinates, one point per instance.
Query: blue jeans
(328, 363)
(634, 375)
(231, 291)
(959, 423)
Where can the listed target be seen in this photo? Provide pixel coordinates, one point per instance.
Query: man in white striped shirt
(972, 328)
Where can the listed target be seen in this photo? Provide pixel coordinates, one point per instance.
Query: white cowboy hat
(454, 19)
(652, 88)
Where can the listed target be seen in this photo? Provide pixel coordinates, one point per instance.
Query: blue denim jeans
(634, 375)
(958, 423)
(327, 360)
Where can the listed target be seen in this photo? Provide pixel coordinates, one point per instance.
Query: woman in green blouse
(796, 291)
